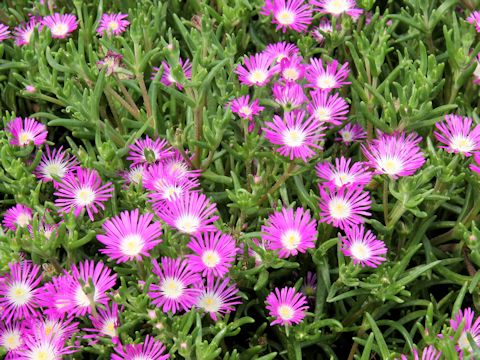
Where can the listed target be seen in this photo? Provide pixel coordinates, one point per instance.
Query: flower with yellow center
(286, 312)
(172, 288)
(293, 137)
(210, 258)
(291, 239)
(285, 17)
(337, 7)
(257, 77)
(339, 209)
(187, 224)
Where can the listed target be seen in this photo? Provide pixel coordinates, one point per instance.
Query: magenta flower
(112, 24)
(176, 164)
(24, 32)
(242, 107)
(151, 349)
(17, 216)
(428, 353)
(56, 163)
(297, 137)
(292, 69)
(39, 345)
(344, 207)
(325, 27)
(281, 50)
(476, 73)
(4, 32)
(457, 134)
(337, 7)
(363, 247)
(309, 286)
(134, 175)
(167, 77)
(328, 78)
(60, 25)
(213, 253)
(216, 297)
(343, 173)
(26, 131)
(289, 14)
(105, 323)
(129, 236)
(82, 189)
(471, 327)
(476, 165)
(290, 232)
(394, 155)
(190, 214)
(149, 151)
(44, 229)
(351, 133)
(474, 19)
(286, 306)
(12, 334)
(54, 326)
(289, 95)
(174, 291)
(112, 63)
(329, 108)
(257, 70)
(19, 292)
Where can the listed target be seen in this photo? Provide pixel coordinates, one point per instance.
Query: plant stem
(385, 200)
(146, 101)
(248, 162)
(134, 112)
(279, 182)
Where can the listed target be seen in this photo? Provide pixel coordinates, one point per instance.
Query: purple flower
(213, 253)
(134, 175)
(289, 14)
(474, 19)
(56, 163)
(112, 63)
(12, 334)
(471, 327)
(112, 24)
(149, 151)
(174, 291)
(309, 286)
(242, 107)
(39, 345)
(325, 27)
(217, 297)
(105, 323)
(19, 292)
(457, 134)
(281, 50)
(26, 131)
(60, 25)
(24, 32)
(343, 173)
(151, 349)
(428, 353)
(82, 189)
(289, 95)
(476, 165)
(297, 137)
(286, 306)
(363, 247)
(344, 207)
(167, 77)
(17, 216)
(257, 70)
(129, 236)
(328, 78)
(54, 326)
(4, 32)
(337, 7)
(292, 69)
(290, 232)
(351, 133)
(329, 108)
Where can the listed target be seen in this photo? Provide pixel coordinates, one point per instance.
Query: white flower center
(326, 81)
(323, 114)
(19, 294)
(171, 192)
(84, 196)
(463, 342)
(210, 303)
(27, 35)
(337, 7)
(476, 73)
(172, 288)
(171, 78)
(293, 137)
(210, 258)
(360, 251)
(47, 233)
(188, 223)
(291, 239)
(54, 168)
(257, 76)
(42, 351)
(286, 17)
(286, 312)
(131, 245)
(109, 327)
(23, 219)
(341, 179)
(113, 25)
(136, 175)
(339, 208)
(11, 339)
(81, 299)
(390, 166)
(347, 136)
(246, 110)
(290, 74)
(462, 144)
(60, 29)
(24, 138)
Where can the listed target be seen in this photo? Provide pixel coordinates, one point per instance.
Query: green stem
(279, 182)
(385, 200)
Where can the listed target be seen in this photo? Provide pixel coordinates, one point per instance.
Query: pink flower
(337, 7)
(351, 133)
(281, 50)
(12, 334)
(394, 155)
(476, 165)
(19, 291)
(112, 24)
(476, 73)
(286, 306)
(134, 175)
(17, 216)
(4, 32)
(242, 107)
(213, 253)
(129, 236)
(309, 286)
(471, 326)
(82, 189)
(217, 297)
(290, 232)
(26, 131)
(54, 326)
(297, 137)
(428, 353)
(257, 70)
(329, 108)
(149, 151)
(112, 63)
(457, 134)
(105, 323)
(344, 207)
(292, 69)
(343, 173)
(290, 95)
(328, 78)
(289, 14)
(56, 163)
(325, 27)
(60, 25)
(474, 19)
(151, 349)
(167, 77)
(174, 291)
(40, 345)
(190, 214)
(363, 247)
(24, 32)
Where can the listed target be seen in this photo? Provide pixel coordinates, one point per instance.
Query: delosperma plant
(231, 179)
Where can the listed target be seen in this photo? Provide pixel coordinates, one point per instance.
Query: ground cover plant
(234, 179)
